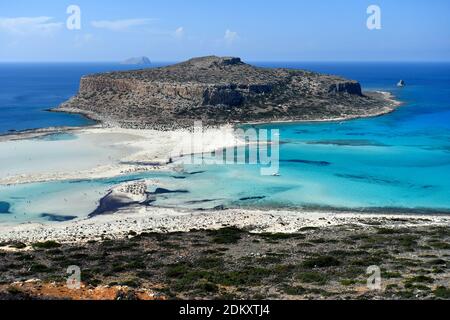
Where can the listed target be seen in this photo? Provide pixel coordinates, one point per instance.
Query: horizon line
(249, 61)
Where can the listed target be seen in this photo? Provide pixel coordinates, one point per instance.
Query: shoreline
(136, 220)
(393, 106)
(101, 122)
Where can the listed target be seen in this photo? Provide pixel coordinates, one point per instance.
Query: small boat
(401, 83)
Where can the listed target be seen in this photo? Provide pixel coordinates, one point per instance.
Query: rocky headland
(218, 90)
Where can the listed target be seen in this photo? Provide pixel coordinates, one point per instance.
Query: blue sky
(256, 30)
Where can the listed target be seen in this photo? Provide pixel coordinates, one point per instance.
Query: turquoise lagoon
(396, 162)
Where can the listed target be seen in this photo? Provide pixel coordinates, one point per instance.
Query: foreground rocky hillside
(233, 264)
(220, 90)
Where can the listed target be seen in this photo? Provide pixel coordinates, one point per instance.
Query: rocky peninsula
(220, 90)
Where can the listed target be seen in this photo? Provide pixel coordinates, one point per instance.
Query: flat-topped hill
(219, 90)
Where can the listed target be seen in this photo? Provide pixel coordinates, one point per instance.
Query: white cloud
(120, 25)
(30, 25)
(179, 33)
(230, 36)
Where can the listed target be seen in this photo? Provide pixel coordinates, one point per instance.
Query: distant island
(221, 90)
(137, 61)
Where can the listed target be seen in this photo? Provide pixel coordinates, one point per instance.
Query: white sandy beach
(138, 219)
(100, 153)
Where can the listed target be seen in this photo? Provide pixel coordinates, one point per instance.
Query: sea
(398, 162)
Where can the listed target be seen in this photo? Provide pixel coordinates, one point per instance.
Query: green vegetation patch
(348, 282)
(294, 290)
(228, 235)
(39, 268)
(313, 277)
(281, 236)
(46, 245)
(442, 292)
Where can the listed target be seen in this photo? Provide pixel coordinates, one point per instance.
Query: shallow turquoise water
(398, 161)
(78, 198)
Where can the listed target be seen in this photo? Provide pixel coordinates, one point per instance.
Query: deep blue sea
(28, 89)
(399, 161)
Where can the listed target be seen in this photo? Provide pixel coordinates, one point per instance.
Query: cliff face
(217, 90)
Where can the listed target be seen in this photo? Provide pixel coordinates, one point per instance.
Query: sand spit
(144, 150)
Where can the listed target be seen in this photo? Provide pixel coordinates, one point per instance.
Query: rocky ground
(231, 263)
(220, 91)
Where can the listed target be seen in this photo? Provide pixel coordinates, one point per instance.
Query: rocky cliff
(219, 90)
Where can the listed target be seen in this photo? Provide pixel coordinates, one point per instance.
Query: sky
(255, 30)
